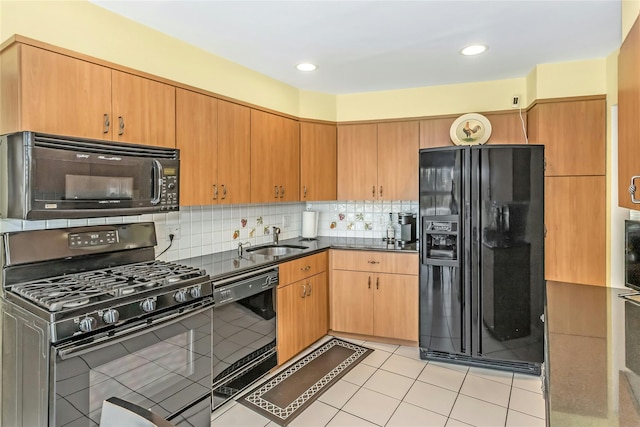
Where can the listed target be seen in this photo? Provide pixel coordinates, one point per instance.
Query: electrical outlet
(175, 230)
(515, 101)
(286, 221)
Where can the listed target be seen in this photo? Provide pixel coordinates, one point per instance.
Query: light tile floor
(393, 387)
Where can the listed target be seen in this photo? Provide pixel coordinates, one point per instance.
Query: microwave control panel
(169, 198)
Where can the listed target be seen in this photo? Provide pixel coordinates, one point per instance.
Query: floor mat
(284, 396)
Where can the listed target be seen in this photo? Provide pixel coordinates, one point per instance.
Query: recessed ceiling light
(305, 66)
(473, 50)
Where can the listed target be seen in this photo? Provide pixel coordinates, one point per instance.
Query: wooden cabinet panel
(290, 309)
(398, 145)
(234, 153)
(507, 128)
(196, 138)
(395, 306)
(318, 161)
(628, 113)
(375, 261)
(275, 158)
(352, 302)
(316, 318)
(573, 133)
(146, 108)
(295, 270)
(575, 249)
(57, 94)
(357, 162)
(435, 132)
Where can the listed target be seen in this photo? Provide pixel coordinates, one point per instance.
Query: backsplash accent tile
(209, 229)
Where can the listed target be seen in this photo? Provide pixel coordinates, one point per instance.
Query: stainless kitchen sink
(276, 250)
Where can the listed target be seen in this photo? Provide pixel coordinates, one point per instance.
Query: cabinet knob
(304, 192)
(310, 288)
(373, 262)
(120, 125)
(224, 191)
(632, 190)
(306, 268)
(281, 191)
(215, 191)
(107, 123)
(373, 191)
(377, 283)
(304, 291)
(369, 286)
(380, 191)
(275, 188)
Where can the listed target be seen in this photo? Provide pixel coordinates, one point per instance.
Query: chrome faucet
(241, 247)
(276, 235)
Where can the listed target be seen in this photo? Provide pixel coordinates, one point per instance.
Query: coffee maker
(407, 223)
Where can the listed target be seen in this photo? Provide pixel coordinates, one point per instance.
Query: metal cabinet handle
(373, 262)
(281, 191)
(369, 282)
(304, 192)
(306, 268)
(275, 187)
(310, 289)
(120, 125)
(373, 191)
(377, 283)
(304, 291)
(106, 122)
(632, 190)
(224, 191)
(380, 191)
(215, 191)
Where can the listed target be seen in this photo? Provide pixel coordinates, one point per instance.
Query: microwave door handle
(157, 182)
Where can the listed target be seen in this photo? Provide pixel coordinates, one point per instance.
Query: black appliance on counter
(482, 288)
(89, 314)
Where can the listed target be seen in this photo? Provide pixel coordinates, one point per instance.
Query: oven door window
(71, 177)
(165, 370)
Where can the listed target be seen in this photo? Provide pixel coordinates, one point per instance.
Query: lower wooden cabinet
(377, 304)
(302, 304)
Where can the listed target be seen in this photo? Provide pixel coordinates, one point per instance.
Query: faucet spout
(276, 235)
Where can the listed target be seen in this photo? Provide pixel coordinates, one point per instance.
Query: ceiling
(367, 46)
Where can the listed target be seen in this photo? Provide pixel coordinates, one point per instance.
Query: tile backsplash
(204, 230)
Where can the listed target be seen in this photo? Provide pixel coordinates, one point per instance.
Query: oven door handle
(133, 332)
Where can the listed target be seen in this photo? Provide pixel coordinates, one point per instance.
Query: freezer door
(444, 312)
(507, 252)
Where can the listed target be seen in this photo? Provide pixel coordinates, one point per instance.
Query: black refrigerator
(482, 288)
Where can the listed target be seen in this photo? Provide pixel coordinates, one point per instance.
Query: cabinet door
(275, 158)
(196, 138)
(628, 113)
(435, 132)
(352, 302)
(290, 309)
(575, 222)
(398, 145)
(144, 111)
(357, 162)
(318, 162)
(573, 134)
(234, 153)
(395, 306)
(317, 309)
(62, 95)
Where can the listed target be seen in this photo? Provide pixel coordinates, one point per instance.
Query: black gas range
(110, 318)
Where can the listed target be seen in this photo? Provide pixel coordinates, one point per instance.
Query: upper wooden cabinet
(143, 110)
(318, 162)
(506, 128)
(378, 161)
(48, 92)
(275, 158)
(628, 113)
(214, 142)
(196, 137)
(573, 135)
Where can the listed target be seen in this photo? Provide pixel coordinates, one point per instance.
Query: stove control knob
(148, 305)
(87, 324)
(110, 316)
(196, 292)
(180, 296)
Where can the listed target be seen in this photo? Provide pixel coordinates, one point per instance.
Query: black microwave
(46, 177)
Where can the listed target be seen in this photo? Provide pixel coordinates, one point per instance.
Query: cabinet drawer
(375, 262)
(300, 268)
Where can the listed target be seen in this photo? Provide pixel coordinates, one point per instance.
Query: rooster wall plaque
(470, 129)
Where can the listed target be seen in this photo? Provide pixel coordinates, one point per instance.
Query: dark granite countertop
(226, 264)
(593, 366)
